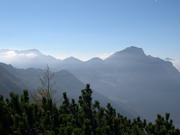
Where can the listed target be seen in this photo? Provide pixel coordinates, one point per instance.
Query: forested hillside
(19, 116)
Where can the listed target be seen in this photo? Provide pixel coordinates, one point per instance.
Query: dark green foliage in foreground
(20, 117)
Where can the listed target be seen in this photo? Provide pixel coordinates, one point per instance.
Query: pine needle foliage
(18, 116)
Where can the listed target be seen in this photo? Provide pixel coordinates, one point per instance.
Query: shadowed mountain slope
(9, 83)
(64, 82)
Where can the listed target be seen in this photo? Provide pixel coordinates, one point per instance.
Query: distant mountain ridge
(15, 80)
(141, 82)
(26, 58)
(33, 58)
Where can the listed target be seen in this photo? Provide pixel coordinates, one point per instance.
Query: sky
(88, 28)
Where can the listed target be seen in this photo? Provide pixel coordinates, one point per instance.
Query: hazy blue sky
(91, 27)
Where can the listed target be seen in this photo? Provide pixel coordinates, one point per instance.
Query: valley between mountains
(136, 84)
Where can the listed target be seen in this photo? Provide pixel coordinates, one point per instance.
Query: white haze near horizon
(176, 63)
(85, 58)
(10, 56)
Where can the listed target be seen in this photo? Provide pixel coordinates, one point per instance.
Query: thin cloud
(12, 54)
(9, 54)
(105, 55)
(176, 63)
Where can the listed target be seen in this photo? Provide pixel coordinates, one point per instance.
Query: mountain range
(16, 80)
(140, 83)
(33, 58)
